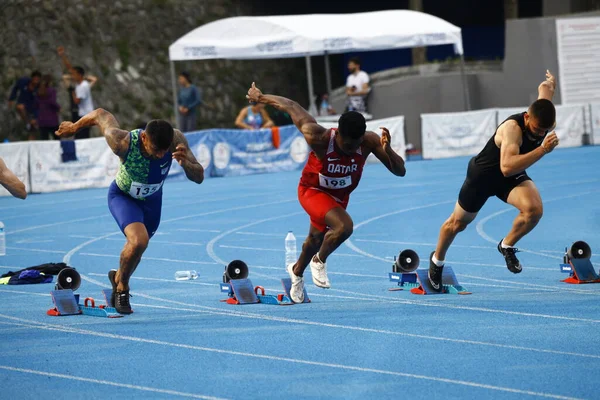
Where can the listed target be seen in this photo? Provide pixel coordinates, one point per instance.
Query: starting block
(241, 291)
(407, 275)
(67, 303)
(418, 282)
(577, 264)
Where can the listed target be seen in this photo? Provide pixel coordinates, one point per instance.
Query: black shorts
(481, 185)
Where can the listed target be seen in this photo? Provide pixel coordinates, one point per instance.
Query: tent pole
(466, 98)
(312, 109)
(327, 73)
(174, 88)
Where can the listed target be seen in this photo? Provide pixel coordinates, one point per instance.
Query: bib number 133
(141, 190)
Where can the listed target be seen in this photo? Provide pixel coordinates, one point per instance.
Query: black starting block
(577, 264)
(417, 281)
(66, 302)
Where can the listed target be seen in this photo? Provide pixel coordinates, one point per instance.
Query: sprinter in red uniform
(332, 172)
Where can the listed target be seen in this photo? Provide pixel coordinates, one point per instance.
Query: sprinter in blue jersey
(135, 196)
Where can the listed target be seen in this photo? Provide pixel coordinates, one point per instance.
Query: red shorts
(317, 204)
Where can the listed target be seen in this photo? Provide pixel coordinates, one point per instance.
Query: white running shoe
(297, 289)
(318, 270)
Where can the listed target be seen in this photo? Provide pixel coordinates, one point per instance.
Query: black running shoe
(512, 262)
(111, 278)
(122, 302)
(435, 275)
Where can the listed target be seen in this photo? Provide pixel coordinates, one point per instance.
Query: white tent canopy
(307, 35)
(315, 34)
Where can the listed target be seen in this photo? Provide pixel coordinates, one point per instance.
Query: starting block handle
(90, 300)
(262, 290)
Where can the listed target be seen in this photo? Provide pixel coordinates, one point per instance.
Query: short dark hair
(186, 75)
(36, 73)
(79, 70)
(355, 60)
(160, 133)
(544, 112)
(352, 124)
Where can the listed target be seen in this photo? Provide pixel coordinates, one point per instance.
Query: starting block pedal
(67, 303)
(240, 291)
(418, 282)
(577, 264)
(287, 286)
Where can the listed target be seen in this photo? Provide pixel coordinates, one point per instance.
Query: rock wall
(125, 44)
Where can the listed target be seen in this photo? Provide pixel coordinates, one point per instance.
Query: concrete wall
(530, 50)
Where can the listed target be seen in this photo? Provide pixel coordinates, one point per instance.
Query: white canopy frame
(247, 38)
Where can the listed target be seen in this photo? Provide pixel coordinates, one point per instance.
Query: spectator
(188, 98)
(323, 106)
(47, 108)
(68, 85)
(357, 86)
(253, 117)
(82, 95)
(24, 93)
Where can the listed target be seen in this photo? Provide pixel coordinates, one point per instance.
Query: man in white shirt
(82, 95)
(357, 86)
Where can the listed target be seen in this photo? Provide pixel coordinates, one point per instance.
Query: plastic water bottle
(186, 275)
(290, 249)
(2, 240)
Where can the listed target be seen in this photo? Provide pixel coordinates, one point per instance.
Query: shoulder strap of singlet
(331, 147)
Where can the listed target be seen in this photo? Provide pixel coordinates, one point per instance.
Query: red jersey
(337, 174)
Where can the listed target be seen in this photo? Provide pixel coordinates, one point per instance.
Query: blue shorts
(127, 210)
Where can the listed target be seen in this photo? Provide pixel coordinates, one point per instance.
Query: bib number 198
(335, 183)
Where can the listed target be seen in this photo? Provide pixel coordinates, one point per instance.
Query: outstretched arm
(546, 88)
(306, 124)
(10, 182)
(184, 156)
(384, 152)
(117, 138)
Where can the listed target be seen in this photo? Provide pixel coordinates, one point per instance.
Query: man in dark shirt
(499, 170)
(23, 93)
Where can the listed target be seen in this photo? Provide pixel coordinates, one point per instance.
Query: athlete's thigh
(460, 214)
(338, 218)
(525, 197)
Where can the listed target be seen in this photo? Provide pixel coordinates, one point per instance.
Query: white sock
(439, 263)
(505, 246)
(319, 258)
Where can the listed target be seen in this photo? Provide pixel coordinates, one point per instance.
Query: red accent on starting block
(89, 300)
(262, 290)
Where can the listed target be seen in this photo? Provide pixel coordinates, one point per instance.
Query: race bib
(335, 183)
(141, 190)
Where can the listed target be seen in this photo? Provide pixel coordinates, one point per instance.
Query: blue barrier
(234, 152)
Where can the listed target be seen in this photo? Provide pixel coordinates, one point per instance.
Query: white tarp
(314, 34)
(95, 167)
(15, 156)
(570, 125)
(578, 46)
(456, 134)
(394, 124)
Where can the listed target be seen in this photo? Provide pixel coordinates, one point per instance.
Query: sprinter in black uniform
(499, 170)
